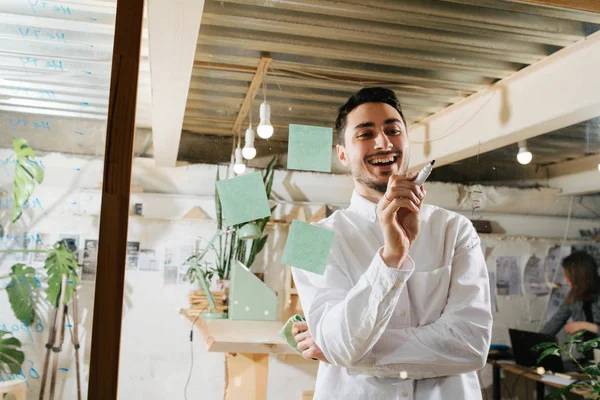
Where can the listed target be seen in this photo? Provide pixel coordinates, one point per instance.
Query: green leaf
(575, 337)
(548, 352)
(1, 231)
(545, 345)
(11, 356)
(20, 292)
(592, 370)
(26, 174)
(590, 344)
(60, 262)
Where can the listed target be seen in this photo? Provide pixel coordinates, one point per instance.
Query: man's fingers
(397, 192)
(303, 345)
(397, 204)
(302, 336)
(299, 327)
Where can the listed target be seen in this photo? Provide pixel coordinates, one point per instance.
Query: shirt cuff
(384, 278)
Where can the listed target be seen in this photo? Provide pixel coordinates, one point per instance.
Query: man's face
(376, 145)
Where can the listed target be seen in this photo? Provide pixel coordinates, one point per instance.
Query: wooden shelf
(227, 336)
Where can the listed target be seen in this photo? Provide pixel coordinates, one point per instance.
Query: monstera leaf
(11, 356)
(20, 290)
(27, 173)
(60, 262)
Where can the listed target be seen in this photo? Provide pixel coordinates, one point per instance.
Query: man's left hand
(573, 327)
(306, 344)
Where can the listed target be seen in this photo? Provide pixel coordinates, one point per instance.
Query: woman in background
(582, 304)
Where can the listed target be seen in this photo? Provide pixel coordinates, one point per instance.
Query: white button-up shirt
(428, 322)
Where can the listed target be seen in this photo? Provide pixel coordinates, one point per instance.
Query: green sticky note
(249, 298)
(243, 198)
(307, 247)
(309, 148)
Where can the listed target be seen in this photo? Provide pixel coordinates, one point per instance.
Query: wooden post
(114, 214)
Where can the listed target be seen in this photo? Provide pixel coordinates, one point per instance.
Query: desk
(519, 370)
(247, 345)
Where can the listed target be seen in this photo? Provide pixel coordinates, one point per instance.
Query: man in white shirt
(403, 308)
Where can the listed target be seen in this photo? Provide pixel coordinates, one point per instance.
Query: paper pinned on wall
(307, 247)
(508, 276)
(310, 148)
(492, 278)
(535, 282)
(243, 198)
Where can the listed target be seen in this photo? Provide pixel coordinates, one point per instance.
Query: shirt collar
(363, 207)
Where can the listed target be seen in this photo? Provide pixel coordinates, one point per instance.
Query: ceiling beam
(583, 5)
(580, 176)
(261, 70)
(171, 23)
(559, 91)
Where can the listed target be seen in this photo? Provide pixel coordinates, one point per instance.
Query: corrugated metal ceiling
(433, 53)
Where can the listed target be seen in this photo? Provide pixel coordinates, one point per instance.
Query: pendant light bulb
(249, 152)
(524, 156)
(239, 167)
(265, 129)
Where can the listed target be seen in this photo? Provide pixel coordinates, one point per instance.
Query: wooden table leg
(540, 390)
(246, 376)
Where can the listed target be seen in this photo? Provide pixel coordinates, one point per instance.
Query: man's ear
(341, 151)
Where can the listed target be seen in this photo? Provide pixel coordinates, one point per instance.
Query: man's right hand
(305, 342)
(398, 212)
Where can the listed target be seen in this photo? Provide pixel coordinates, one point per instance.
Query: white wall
(155, 352)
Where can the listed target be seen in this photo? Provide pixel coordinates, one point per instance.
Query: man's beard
(372, 184)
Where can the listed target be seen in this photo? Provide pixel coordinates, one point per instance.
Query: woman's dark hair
(366, 95)
(581, 269)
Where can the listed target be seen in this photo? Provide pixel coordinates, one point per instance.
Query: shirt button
(402, 313)
(398, 285)
(405, 394)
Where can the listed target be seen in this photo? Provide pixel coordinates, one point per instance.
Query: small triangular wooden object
(319, 214)
(196, 213)
(297, 213)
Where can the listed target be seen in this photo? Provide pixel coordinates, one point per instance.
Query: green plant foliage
(11, 356)
(60, 262)
(26, 174)
(20, 292)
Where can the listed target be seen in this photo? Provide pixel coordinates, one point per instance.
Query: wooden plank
(228, 336)
(246, 376)
(173, 28)
(114, 214)
(259, 75)
(582, 5)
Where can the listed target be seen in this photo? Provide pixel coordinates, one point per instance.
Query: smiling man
(403, 309)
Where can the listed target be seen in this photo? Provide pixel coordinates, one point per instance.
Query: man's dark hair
(366, 95)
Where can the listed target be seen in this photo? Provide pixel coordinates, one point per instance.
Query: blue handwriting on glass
(31, 33)
(44, 5)
(35, 93)
(55, 65)
(31, 374)
(43, 125)
(9, 203)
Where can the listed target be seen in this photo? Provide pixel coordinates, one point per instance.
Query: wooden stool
(16, 387)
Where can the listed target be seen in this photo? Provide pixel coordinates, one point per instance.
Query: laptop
(522, 344)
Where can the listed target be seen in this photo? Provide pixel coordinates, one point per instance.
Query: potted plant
(592, 372)
(11, 357)
(61, 271)
(242, 242)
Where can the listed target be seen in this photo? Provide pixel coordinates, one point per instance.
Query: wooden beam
(114, 214)
(582, 5)
(558, 91)
(173, 35)
(261, 70)
(574, 177)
